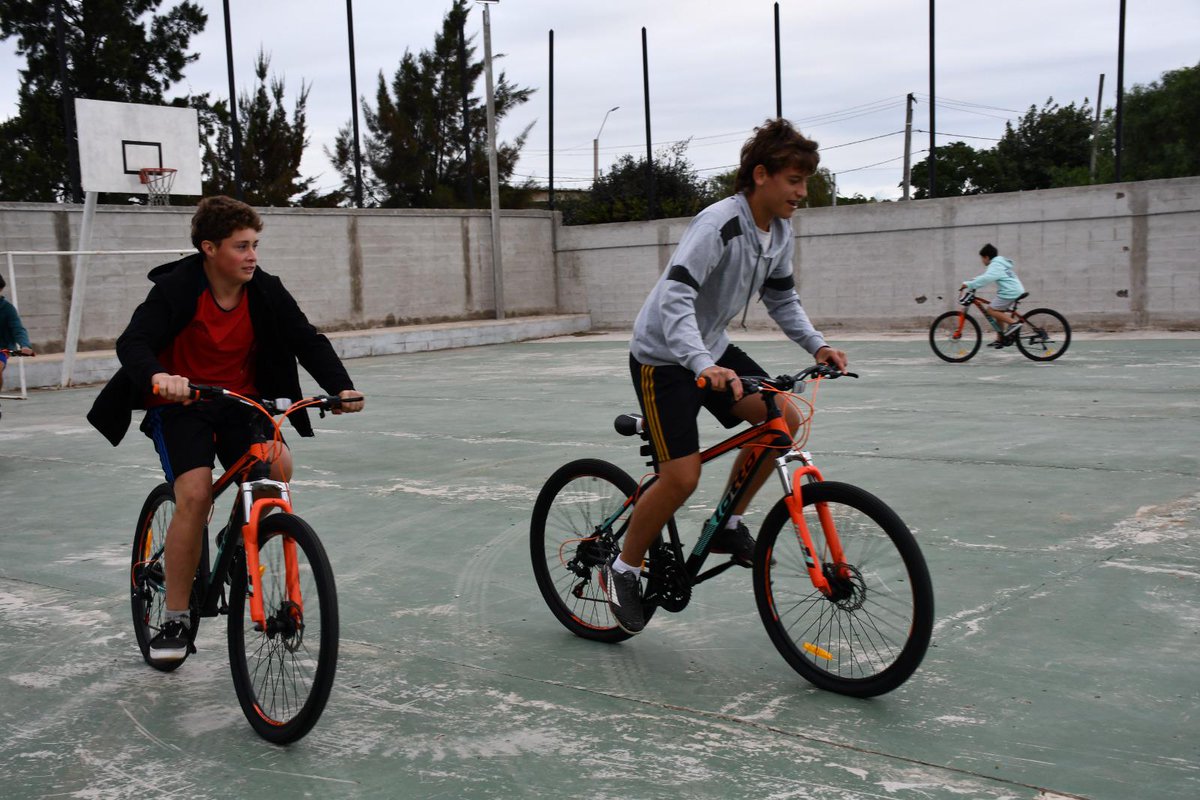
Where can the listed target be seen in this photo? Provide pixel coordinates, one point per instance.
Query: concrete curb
(45, 372)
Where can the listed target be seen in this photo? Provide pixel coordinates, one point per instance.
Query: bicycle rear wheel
(1045, 335)
(870, 636)
(578, 521)
(283, 674)
(147, 574)
(951, 344)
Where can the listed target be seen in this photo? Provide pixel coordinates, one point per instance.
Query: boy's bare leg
(754, 410)
(193, 499)
(677, 480)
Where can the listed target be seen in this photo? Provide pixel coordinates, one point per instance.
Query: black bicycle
(839, 581)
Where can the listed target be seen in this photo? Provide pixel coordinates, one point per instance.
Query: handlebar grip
(702, 382)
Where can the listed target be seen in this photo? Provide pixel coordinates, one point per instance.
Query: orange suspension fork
(254, 569)
(795, 504)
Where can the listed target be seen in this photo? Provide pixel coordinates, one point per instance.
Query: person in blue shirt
(1008, 290)
(12, 333)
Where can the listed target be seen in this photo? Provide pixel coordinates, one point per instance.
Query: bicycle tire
(1045, 336)
(873, 638)
(949, 347)
(147, 575)
(572, 506)
(283, 675)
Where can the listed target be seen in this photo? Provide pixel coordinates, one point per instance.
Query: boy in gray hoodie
(733, 249)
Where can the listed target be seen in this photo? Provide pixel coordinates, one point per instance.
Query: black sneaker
(623, 590)
(737, 542)
(170, 643)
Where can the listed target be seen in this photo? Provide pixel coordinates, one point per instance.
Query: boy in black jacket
(210, 318)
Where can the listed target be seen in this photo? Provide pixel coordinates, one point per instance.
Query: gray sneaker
(623, 590)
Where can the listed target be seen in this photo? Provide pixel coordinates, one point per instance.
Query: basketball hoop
(158, 182)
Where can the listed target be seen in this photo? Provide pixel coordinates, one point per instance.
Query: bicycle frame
(770, 434)
(252, 510)
(982, 305)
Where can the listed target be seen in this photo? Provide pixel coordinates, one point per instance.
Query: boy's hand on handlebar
(834, 358)
(720, 379)
(172, 387)
(352, 401)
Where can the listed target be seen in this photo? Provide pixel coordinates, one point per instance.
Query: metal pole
(358, 193)
(551, 119)
(596, 146)
(932, 113)
(493, 171)
(649, 155)
(233, 109)
(78, 289)
(466, 111)
(908, 146)
(12, 293)
(778, 79)
(1120, 93)
(1096, 131)
(68, 101)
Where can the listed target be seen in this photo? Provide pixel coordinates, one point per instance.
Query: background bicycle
(956, 336)
(269, 573)
(840, 583)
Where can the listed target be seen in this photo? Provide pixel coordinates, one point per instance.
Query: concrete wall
(349, 269)
(1112, 256)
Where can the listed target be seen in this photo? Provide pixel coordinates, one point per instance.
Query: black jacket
(281, 331)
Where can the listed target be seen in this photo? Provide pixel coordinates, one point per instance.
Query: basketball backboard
(118, 139)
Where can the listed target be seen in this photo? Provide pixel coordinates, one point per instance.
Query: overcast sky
(847, 67)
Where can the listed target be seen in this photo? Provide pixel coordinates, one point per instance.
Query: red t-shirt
(216, 347)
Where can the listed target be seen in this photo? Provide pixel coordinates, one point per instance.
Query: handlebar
(785, 383)
(17, 353)
(278, 405)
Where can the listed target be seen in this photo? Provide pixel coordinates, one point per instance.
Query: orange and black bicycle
(955, 336)
(270, 575)
(839, 581)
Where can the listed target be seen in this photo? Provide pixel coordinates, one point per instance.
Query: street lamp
(596, 146)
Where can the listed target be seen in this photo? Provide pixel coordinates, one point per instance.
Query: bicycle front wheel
(147, 574)
(949, 342)
(870, 635)
(578, 520)
(283, 673)
(1045, 335)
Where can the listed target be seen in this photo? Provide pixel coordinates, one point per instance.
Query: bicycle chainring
(669, 587)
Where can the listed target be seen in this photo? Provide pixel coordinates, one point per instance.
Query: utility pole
(908, 145)
(493, 170)
(358, 194)
(1120, 94)
(236, 125)
(1096, 131)
(932, 113)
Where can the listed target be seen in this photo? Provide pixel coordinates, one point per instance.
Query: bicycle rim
(283, 674)
(1044, 336)
(577, 521)
(951, 344)
(872, 635)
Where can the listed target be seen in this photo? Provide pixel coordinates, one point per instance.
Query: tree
(415, 147)
(1161, 127)
(961, 170)
(623, 195)
(119, 50)
(272, 145)
(1049, 147)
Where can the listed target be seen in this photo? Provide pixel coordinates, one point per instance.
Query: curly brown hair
(776, 145)
(217, 217)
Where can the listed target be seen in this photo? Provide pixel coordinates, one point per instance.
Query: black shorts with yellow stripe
(671, 402)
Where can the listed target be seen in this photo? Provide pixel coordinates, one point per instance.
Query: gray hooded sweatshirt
(711, 279)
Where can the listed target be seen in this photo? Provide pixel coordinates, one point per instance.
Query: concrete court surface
(1058, 506)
